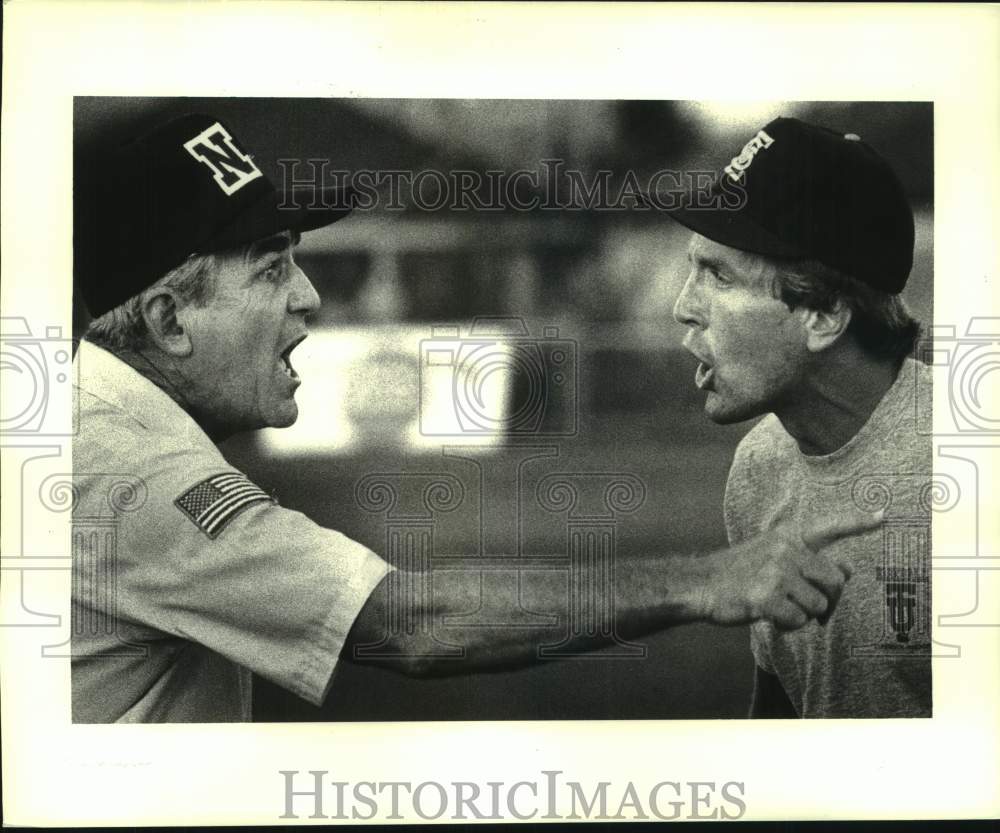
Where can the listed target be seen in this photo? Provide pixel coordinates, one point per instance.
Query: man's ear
(824, 328)
(160, 309)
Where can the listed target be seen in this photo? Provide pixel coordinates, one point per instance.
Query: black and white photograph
(578, 373)
(499, 412)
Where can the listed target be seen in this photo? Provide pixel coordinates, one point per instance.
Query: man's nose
(303, 297)
(687, 309)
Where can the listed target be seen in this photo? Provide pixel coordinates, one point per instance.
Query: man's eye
(274, 271)
(719, 277)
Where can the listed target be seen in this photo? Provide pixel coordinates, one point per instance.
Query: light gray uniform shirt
(187, 576)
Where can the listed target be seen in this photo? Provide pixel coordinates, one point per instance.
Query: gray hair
(880, 322)
(124, 328)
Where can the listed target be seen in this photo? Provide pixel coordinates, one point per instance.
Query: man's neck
(151, 370)
(839, 396)
(166, 379)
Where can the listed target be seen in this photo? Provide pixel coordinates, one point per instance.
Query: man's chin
(285, 417)
(721, 414)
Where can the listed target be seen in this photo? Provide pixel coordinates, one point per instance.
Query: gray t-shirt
(872, 659)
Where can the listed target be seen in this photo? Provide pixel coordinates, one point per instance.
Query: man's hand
(781, 575)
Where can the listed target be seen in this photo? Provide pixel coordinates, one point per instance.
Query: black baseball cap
(810, 192)
(187, 187)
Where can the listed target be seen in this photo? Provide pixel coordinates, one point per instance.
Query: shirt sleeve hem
(315, 681)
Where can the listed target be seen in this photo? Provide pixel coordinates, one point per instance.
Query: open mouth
(286, 358)
(704, 375)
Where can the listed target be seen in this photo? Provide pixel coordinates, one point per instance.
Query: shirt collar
(105, 376)
(879, 426)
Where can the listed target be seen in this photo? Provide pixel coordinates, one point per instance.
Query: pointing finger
(822, 535)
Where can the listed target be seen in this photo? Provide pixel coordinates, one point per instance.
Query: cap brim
(730, 227)
(300, 210)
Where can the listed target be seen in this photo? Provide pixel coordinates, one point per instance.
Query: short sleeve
(228, 568)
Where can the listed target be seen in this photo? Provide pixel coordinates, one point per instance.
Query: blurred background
(570, 312)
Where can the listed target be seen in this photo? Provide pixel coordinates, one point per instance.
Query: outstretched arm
(781, 576)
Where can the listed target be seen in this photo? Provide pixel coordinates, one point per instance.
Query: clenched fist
(781, 575)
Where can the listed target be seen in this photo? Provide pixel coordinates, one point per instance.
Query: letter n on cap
(231, 168)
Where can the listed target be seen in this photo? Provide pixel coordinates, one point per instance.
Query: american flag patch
(215, 501)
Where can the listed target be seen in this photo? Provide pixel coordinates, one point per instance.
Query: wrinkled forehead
(275, 243)
(753, 268)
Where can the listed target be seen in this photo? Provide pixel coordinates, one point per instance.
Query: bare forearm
(779, 576)
(644, 594)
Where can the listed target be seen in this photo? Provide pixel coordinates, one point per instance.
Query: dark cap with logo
(809, 192)
(188, 187)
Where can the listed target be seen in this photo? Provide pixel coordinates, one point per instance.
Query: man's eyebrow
(710, 262)
(272, 245)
